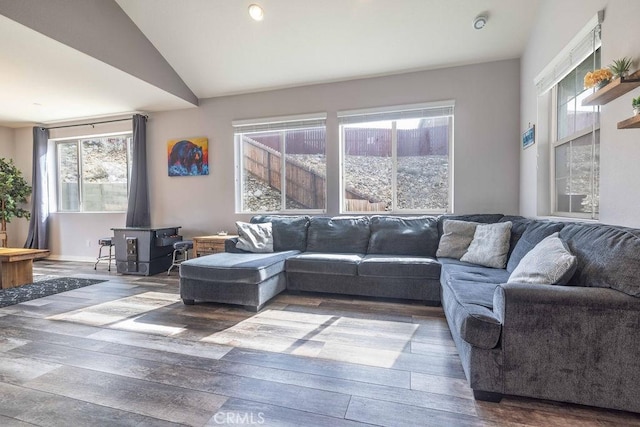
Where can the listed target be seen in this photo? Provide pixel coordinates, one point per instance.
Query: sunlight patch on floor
(126, 314)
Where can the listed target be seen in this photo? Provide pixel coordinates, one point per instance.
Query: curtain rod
(93, 123)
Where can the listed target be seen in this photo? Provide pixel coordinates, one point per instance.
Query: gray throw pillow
(456, 238)
(255, 237)
(490, 245)
(548, 263)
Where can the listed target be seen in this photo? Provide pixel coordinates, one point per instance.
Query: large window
(397, 159)
(576, 147)
(281, 164)
(93, 173)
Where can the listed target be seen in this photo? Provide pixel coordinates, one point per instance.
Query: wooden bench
(16, 265)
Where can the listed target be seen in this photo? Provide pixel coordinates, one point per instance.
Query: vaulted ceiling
(68, 59)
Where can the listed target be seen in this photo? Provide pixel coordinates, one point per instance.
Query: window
(573, 135)
(576, 146)
(92, 173)
(397, 159)
(281, 164)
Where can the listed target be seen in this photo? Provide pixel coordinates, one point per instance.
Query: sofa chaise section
(247, 279)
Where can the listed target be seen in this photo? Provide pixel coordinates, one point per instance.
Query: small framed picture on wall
(188, 156)
(529, 137)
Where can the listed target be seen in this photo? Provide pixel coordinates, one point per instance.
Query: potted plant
(635, 103)
(14, 191)
(620, 67)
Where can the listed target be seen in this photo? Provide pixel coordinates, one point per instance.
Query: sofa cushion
(469, 307)
(519, 225)
(549, 263)
(324, 263)
(246, 268)
(254, 237)
(338, 235)
(289, 232)
(456, 238)
(608, 256)
(534, 234)
(392, 235)
(490, 245)
(399, 266)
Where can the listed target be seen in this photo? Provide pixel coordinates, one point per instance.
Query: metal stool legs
(107, 242)
(180, 248)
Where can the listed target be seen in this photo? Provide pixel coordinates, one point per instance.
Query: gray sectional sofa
(577, 343)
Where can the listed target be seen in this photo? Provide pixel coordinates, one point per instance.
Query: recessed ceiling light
(256, 12)
(480, 21)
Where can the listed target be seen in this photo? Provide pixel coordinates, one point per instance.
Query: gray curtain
(38, 237)
(138, 213)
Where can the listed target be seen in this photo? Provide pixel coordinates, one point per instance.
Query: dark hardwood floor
(128, 352)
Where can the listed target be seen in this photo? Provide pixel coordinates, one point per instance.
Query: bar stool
(104, 242)
(180, 249)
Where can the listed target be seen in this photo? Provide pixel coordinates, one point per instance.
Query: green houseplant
(635, 103)
(620, 67)
(14, 191)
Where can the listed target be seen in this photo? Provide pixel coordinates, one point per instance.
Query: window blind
(579, 48)
(415, 111)
(279, 123)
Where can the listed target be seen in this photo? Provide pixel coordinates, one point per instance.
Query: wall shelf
(616, 88)
(630, 123)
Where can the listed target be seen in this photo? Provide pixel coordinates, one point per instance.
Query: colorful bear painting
(188, 156)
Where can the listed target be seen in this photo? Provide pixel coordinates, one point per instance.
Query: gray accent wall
(556, 24)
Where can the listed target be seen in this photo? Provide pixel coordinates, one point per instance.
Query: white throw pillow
(548, 263)
(490, 245)
(255, 237)
(456, 238)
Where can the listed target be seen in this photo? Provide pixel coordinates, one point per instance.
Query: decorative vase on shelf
(636, 111)
(602, 84)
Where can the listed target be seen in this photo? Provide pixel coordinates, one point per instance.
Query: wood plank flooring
(128, 352)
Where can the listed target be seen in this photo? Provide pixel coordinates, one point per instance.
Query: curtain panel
(38, 237)
(138, 211)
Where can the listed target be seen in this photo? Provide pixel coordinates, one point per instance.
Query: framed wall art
(529, 137)
(188, 156)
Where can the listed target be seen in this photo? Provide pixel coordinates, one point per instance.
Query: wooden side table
(207, 245)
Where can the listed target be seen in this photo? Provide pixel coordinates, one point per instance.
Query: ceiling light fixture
(256, 12)
(480, 21)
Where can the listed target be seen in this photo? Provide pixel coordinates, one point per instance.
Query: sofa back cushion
(338, 234)
(535, 232)
(608, 256)
(289, 232)
(392, 235)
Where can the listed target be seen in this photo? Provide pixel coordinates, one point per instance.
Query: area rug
(42, 288)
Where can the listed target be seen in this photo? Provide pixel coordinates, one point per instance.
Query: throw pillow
(255, 237)
(456, 238)
(490, 245)
(549, 262)
(534, 234)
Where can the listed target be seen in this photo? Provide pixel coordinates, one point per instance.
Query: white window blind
(279, 123)
(579, 48)
(416, 111)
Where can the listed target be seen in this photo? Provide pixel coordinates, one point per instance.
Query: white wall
(556, 24)
(486, 147)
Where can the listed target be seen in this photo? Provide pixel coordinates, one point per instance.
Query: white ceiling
(218, 50)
